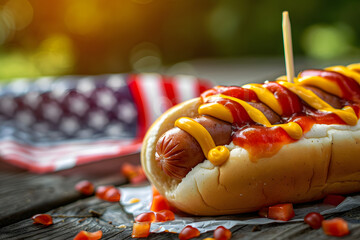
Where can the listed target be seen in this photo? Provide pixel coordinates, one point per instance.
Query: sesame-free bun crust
(325, 161)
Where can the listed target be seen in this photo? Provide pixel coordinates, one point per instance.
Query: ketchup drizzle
(263, 141)
(349, 87)
(238, 112)
(289, 101)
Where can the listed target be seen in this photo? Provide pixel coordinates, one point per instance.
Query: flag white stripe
(152, 92)
(47, 156)
(186, 87)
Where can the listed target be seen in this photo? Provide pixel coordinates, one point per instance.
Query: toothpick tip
(285, 16)
(289, 61)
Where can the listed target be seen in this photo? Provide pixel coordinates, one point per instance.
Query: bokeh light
(21, 12)
(42, 37)
(328, 41)
(54, 55)
(224, 24)
(145, 57)
(82, 17)
(15, 15)
(16, 64)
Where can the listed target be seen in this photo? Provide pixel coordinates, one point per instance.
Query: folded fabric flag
(50, 124)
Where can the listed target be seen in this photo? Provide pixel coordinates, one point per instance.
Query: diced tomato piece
(189, 232)
(222, 233)
(139, 178)
(335, 227)
(314, 220)
(108, 193)
(134, 173)
(160, 218)
(333, 199)
(85, 187)
(164, 216)
(84, 235)
(145, 217)
(101, 190)
(44, 219)
(155, 192)
(159, 203)
(128, 170)
(283, 212)
(141, 229)
(112, 195)
(264, 212)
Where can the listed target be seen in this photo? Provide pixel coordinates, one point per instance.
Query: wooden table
(23, 194)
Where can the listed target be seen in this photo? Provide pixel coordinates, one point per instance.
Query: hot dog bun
(325, 160)
(306, 170)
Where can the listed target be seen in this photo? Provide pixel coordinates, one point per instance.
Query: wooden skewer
(288, 51)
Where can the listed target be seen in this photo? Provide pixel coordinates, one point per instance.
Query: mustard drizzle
(218, 154)
(293, 129)
(345, 71)
(320, 82)
(265, 96)
(347, 114)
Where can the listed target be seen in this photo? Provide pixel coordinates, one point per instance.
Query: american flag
(54, 123)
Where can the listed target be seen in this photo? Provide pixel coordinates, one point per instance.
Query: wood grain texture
(23, 194)
(113, 216)
(71, 219)
(298, 230)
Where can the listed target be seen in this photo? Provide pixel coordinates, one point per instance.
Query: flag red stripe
(138, 99)
(168, 84)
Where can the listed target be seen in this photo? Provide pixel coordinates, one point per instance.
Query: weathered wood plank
(112, 216)
(19, 192)
(101, 170)
(298, 230)
(23, 194)
(78, 218)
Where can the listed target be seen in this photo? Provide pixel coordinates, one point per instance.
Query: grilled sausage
(333, 100)
(177, 152)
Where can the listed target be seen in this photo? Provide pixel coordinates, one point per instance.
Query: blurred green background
(58, 37)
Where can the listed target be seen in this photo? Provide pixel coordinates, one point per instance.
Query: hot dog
(238, 149)
(177, 152)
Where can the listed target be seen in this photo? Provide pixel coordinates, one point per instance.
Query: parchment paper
(205, 224)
